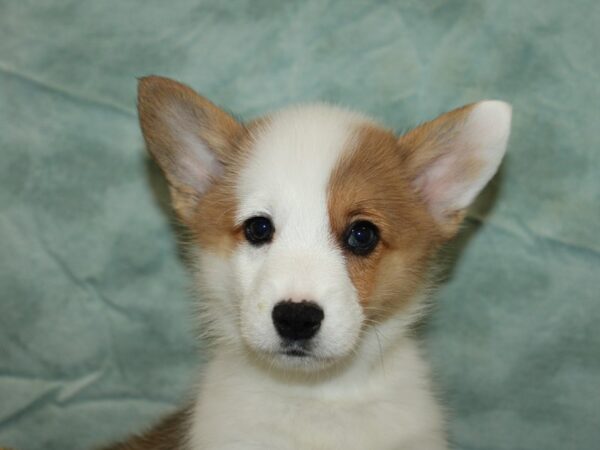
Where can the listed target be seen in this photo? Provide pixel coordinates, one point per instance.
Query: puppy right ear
(190, 138)
(453, 157)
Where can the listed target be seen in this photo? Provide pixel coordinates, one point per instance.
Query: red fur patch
(373, 182)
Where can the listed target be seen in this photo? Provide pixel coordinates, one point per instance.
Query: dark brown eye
(258, 230)
(362, 237)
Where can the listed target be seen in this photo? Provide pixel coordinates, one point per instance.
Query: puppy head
(314, 223)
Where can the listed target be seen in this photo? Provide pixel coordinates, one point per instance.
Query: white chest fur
(384, 404)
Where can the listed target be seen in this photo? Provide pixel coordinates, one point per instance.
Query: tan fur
(373, 182)
(210, 217)
(160, 98)
(166, 435)
(424, 144)
(213, 222)
(377, 180)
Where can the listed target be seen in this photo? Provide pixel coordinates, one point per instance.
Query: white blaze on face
(286, 179)
(414, 189)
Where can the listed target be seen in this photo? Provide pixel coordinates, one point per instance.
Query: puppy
(314, 230)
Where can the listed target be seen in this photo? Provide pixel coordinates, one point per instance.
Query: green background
(95, 327)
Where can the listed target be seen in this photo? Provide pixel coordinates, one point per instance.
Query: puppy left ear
(191, 139)
(453, 157)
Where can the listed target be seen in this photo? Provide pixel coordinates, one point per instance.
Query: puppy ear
(453, 157)
(190, 138)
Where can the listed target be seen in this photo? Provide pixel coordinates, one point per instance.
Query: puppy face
(314, 223)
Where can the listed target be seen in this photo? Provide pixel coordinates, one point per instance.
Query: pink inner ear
(198, 175)
(197, 165)
(466, 162)
(447, 183)
(194, 163)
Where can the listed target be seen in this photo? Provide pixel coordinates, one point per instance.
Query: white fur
(364, 387)
(286, 179)
(380, 400)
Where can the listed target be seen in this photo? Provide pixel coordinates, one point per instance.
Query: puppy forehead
(292, 157)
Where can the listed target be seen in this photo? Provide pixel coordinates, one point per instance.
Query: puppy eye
(258, 230)
(362, 237)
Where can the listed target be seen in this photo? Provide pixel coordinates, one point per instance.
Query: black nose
(296, 321)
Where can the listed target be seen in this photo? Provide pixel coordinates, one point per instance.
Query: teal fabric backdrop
(96, 337)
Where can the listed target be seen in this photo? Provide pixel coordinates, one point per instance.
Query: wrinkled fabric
(96, 330)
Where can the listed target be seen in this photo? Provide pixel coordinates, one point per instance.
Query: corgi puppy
(313, 230)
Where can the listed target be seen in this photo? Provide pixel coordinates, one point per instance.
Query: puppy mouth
(295, 353)
(301, 356)
(296, 350)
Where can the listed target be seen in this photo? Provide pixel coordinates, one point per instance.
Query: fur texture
(313, 171)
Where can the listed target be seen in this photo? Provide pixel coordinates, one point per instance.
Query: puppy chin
(306, 363)
(321, 353)
(294, 358)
